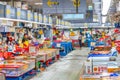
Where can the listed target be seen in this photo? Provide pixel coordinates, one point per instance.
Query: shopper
(80, 40)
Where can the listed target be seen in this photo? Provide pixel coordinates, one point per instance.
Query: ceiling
(32, 2)
(96, 4)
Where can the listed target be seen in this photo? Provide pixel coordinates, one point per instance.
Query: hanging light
(104, 19)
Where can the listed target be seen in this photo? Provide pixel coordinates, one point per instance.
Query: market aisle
(67, 68)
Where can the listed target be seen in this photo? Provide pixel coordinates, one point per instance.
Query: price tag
(92, 43)
(58, 44)
(32, 50)
(25, 67)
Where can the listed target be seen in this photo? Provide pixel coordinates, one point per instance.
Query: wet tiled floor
(67, 68)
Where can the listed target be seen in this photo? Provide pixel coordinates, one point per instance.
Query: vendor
(25, 40)
(80, 40)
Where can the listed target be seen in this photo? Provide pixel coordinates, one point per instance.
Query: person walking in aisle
(80, 40)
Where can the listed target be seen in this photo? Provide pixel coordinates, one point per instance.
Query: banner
(13, 14)
(24, 14)
(45, 19)
(18, 13)
(40, 18)
(2, 11)
(50, 20)
(10, 12)
(8, 8)
(35, 17)
(29, 15)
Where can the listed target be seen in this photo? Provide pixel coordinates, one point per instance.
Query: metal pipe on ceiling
(76, 6)
(12, 3)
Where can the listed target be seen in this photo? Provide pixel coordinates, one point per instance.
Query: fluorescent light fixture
(106, 6)
(73, 16)
(38, 3)
(104, 19)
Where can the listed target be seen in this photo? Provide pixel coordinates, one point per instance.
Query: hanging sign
(40, 18)
(56, 21)
(45, 19)
(18, 13)
(29, 15)
(2, 10)
(24, 14)
(13, 14)
(50, 20)
(62, 22)
(51, 3)
(35, 17)
(8, 8)
(10, 12)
